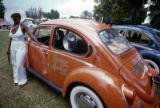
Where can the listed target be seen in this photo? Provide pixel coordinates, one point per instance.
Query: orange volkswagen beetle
(93, 64)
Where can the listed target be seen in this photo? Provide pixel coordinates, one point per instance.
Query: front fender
(105, 84)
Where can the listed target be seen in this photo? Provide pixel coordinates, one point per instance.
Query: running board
(30, 69)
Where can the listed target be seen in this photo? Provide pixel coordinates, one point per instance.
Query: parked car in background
(4, 24)
(92, 64)
(29, 24)
(146, 40)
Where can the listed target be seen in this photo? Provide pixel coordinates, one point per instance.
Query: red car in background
(4, 24)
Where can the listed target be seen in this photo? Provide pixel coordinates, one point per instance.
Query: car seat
(59, 39)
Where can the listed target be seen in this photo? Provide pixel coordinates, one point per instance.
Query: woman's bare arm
(8, 51)
(26, 29)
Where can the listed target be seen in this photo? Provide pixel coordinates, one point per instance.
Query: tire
(83, 97)
(152, 64)
(156, 67)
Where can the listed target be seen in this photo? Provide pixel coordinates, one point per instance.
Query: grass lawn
(36, 94)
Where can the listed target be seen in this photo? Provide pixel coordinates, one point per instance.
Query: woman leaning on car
(17, 47)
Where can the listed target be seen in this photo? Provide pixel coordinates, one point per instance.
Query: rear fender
(105, 84)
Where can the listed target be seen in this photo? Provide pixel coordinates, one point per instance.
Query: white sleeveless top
(18, 35)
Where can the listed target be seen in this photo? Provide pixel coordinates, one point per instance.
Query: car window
(43, 35)
(115, 42)
(137, 37)
(121, 32)
(69, 41)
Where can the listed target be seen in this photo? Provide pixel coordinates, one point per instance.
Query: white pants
(18, 53)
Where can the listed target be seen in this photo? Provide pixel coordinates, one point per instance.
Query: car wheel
(83, 97)
(152, 64)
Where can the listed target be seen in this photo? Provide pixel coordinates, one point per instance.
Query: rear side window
(138, 38)
(115, 42)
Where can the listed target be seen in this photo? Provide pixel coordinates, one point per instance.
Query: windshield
(112, 39)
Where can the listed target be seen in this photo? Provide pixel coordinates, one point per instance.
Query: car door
(65, 59)
(38, 54)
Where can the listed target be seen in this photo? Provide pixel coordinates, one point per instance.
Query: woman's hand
(8, 54)
(26, 29)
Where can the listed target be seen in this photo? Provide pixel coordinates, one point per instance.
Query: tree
(74, 16)
(102, 9)
(53, 14)
(155, 14)
(86, 15)
(121, 11)
(2, 8)
(32, 12)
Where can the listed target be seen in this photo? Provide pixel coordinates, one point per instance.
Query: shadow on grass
(53, 97)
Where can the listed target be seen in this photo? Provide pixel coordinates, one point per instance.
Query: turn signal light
(129, 94)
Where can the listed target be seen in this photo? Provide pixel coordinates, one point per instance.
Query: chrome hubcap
(85, 101)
